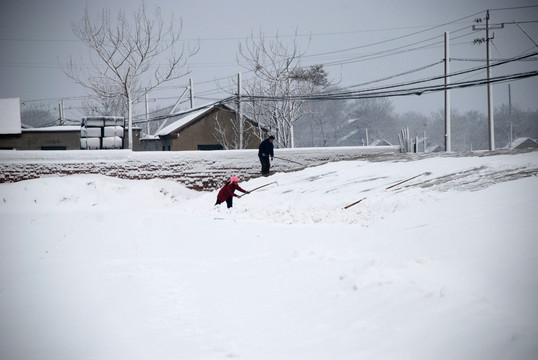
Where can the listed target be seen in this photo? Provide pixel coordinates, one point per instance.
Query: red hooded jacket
(228, 191)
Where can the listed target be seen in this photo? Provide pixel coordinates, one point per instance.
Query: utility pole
(491, 124)
(240, 111)
(147, 110)
(490, 100)
(191, 89)
(61, 111)
(509, 101)
(424, 141)
(510, 113)
(448, 137)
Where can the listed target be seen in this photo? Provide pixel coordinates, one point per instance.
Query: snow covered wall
(199, 170)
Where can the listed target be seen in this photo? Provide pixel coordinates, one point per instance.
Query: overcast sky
(357, 41)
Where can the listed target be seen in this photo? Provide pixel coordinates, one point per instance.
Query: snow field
(93, 267)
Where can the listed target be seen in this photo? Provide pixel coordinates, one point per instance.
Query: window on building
(53, 147)
(210, 147)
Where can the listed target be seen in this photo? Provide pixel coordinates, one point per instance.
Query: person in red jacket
(227, 192)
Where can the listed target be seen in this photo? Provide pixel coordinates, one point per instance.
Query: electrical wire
(462, 72)
(371, 56)
(392, 93)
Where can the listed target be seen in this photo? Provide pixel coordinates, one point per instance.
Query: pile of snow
(443, 266)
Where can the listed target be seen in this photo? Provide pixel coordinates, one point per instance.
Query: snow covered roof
(189, 116)
(525, 141)
(380, 142)
(10, 116)
(184, 120)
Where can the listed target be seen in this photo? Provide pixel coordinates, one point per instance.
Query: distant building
(435, 148)
(523, 143)
(16, 136)
(49, 138)
(208, 128)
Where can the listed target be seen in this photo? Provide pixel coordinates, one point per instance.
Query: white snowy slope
(444, 266)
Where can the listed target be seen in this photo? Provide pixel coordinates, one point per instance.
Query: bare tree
(278, 76)
(227, 131)
(323, 125)
(124, 55)
(110, 106)
(38, 115)
(377, 115)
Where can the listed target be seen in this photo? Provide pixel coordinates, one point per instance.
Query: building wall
(202, 133)
(42, 140)
(150, 145)
(136, 139)
(52, 140)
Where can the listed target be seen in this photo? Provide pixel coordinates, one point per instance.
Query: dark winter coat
(266, 147)
(228, 191)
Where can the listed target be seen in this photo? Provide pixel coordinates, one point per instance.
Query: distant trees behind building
(361, 122)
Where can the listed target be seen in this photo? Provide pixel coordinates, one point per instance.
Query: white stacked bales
(102, 132)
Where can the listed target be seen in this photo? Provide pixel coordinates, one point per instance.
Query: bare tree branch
(122, 53)
(279, 74)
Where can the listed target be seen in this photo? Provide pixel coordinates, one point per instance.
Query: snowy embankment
(444, 266)
(198, 170)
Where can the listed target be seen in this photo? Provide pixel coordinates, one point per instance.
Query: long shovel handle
(355, 203)
(259, 187)
(406, 180)
(276, 157)
(390, 187)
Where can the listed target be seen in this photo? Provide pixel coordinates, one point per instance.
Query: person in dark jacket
(265, 150)
(226, 193)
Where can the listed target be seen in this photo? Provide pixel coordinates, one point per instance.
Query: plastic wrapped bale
(90, 132)
(113, 131)
(112, 142)
(114, 121)
(90, 143)
(93, 121)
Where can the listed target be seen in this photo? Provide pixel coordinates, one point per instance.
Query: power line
(366, 57)
(392, 93)
(393, 51)
(483, 60)
(236, 38)
(397, 75)
(398, 37)
(515, 8)
(389, 90)
(466, 71)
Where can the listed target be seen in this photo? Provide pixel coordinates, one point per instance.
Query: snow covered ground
(444, 266)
